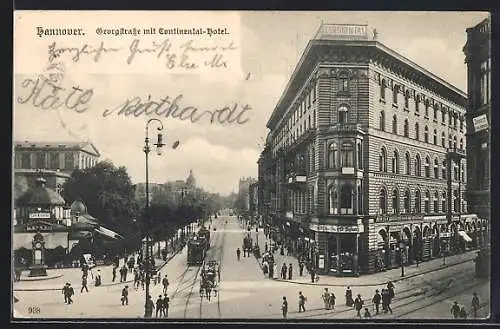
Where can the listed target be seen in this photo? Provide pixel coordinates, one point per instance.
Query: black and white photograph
(279, 166)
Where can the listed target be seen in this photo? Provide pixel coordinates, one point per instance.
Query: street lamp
(401, 248)
(159, 144)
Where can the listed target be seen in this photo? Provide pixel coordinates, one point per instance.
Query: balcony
(345, 128)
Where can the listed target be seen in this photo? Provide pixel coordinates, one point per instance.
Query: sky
(268, 46)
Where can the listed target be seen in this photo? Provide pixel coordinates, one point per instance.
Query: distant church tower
(191, 181)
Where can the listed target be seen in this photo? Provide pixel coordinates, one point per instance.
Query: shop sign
(480, 122)
(321, 261)
(40, 215)
(337, 228)
(343, 32)
(289, 214)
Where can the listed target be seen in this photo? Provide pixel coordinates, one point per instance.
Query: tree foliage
(20, 186)
(108, 193)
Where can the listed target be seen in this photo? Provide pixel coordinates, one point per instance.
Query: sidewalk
(73, 275)
(375, 279)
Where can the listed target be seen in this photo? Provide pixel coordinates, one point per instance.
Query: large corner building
(364, 166)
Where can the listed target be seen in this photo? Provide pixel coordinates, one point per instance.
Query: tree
(108, 194)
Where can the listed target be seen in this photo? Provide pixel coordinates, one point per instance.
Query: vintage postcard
(236, 165)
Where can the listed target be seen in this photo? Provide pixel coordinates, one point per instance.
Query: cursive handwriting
(77, 53)
(169, 107)
(43, 93)
(161, 50)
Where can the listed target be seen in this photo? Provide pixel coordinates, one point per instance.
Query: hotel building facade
(364, 166)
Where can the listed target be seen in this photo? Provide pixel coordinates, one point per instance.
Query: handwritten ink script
(169, 107)
(188, 55)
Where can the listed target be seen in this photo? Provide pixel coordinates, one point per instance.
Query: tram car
(204, 233)
(196, 251)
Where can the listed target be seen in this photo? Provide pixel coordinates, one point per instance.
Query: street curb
(377, 284)
(368, 284)
(103, 285)
(43, 278)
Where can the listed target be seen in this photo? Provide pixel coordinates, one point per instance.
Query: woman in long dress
(275, 271)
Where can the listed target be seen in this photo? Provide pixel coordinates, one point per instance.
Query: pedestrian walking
(390, 289)
(125, 273)
(166, 304)
(238, 253)
(313, 274)
(65, 292)
(159, 306)
(358, 305)
(475, 304)
(149, 307)
(326, 299)
(84, 284)
(124, 298)
(283, 271)
(376, 301)
(302, 302)
(463, 313)
(386, 301)
(301, 267)
(114, 273)
(332, 301)
(165, 284)
(284, 307)
(290, 271)
(367, 314)
(98, 281)
(455, 310)
(348, 297)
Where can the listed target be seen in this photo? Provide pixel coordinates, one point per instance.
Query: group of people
(459, 311)
(301, 302)
(209, 278)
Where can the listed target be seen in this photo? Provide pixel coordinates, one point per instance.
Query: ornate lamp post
(159, 144)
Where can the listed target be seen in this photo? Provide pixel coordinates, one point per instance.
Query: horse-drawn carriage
(210, 275)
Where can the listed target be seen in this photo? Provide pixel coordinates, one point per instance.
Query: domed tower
(191, 181)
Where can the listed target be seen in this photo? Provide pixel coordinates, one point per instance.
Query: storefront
(340, 255)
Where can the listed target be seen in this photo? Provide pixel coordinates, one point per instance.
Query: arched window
(382, 121)
(383, 160)
(443, 169)
(343, 110)
(418, 166)
(443, 203)
(407, 202)
(418, 202)
(346, 195)
(395, 94)
(427, 104)
(333, 200)
(436, 168)
(360, 200)
(426, 134)
(461, 123)
(436, 202)
(443, 140)
(435, 137)
(449, 142)
(461, 143)
(443, 115)
(394, 124)
(454, 142)
(436, 112)
(407, 98)
(455, 171)
(383, 201)
(347, 154)
(360, 154)
(417, 131)
(333, 155)
(427, 202)
(395, 162)
(406, 128)
(395, 201)
(407, 164)
(427, 167)
(383, 86)
(417, 103)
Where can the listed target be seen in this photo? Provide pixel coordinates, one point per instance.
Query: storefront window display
(342, 249)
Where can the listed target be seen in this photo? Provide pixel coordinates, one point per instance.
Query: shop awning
(108, 233)
(465, 236)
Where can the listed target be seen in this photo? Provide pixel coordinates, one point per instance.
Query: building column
(356, 256)
(338, 253)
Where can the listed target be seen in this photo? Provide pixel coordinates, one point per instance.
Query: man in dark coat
(358, 305)
(84, 284)
(166, 304)
(149, 307)
(284, 307)
(455, 310)
(159, 306)
(301, 267)
(290, 271)
(376, 301)
(283, 271)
